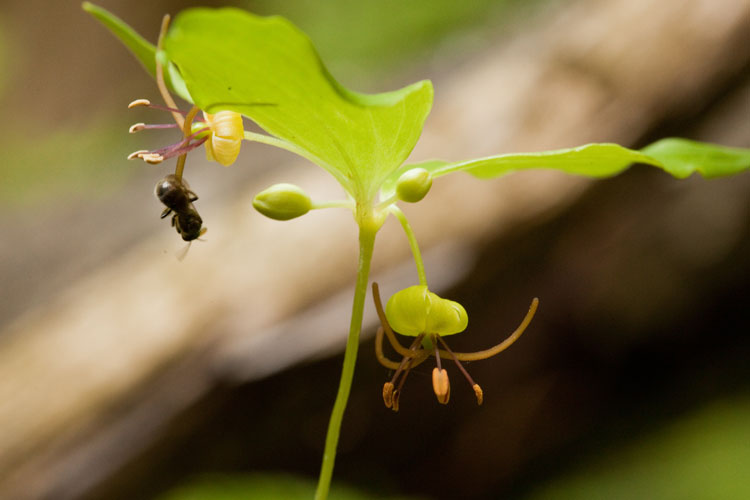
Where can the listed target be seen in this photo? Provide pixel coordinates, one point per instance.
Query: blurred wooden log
(90, 380)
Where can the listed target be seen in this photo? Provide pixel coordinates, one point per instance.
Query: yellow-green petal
(416, 310)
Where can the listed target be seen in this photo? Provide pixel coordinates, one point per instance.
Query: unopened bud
(413, 185)
(282, 202)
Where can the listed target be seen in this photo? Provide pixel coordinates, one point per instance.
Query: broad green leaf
(593, 160)
(231, 59)
(681, 157)
(143, 50)
(678, 157)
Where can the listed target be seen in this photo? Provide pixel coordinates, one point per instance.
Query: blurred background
(125, 373)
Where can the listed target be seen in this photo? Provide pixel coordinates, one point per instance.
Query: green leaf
(593, 160)
(143, 50)
(678, 157)
(682, 157)
(231, 59)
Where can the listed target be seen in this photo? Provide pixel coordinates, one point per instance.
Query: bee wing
(182, 253)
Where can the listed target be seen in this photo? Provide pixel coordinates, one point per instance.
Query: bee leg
(166, 212)
(175, 223)
(192, 196)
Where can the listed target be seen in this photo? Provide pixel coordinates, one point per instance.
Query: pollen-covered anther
(152, 158)
(441, 385)
(139, 102)
(478, 392)
(137, 127)
(396, 397)
(137, 154)
(388, 394)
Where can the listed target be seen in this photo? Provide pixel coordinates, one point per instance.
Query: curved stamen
(386, 326)
(388, 392)
(391, 396)
(137, 127)
(488, 353)
(137, 154)
(382, 359)
(184, 142)
(139, 102)
(167, 108)
(178, 148)
(434, 339)
(440, 383)
(148, 104)
(477, 389)
(152, 158)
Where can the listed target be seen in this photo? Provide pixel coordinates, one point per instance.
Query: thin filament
(167, 108)
(382, 359)
(405, 362)
(458, 363)
(437, 354)
(409, 353)
(487, 353)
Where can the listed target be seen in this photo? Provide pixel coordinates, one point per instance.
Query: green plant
(230, 61)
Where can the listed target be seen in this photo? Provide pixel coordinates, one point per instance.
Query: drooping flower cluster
(221, 132)
(419, 313)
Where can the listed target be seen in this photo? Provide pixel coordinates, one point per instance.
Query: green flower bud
(416, 310)
(413, 185)
(198, 125)
(282, 202)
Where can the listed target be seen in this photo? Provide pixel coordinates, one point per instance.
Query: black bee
(178, 198)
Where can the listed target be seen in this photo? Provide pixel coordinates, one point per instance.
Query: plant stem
(160, 72)
(412, 243)
(333, 204)
(366, 246)
(186, 129)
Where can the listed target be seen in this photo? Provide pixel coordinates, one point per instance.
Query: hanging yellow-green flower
(419, 313)
(221, 132)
